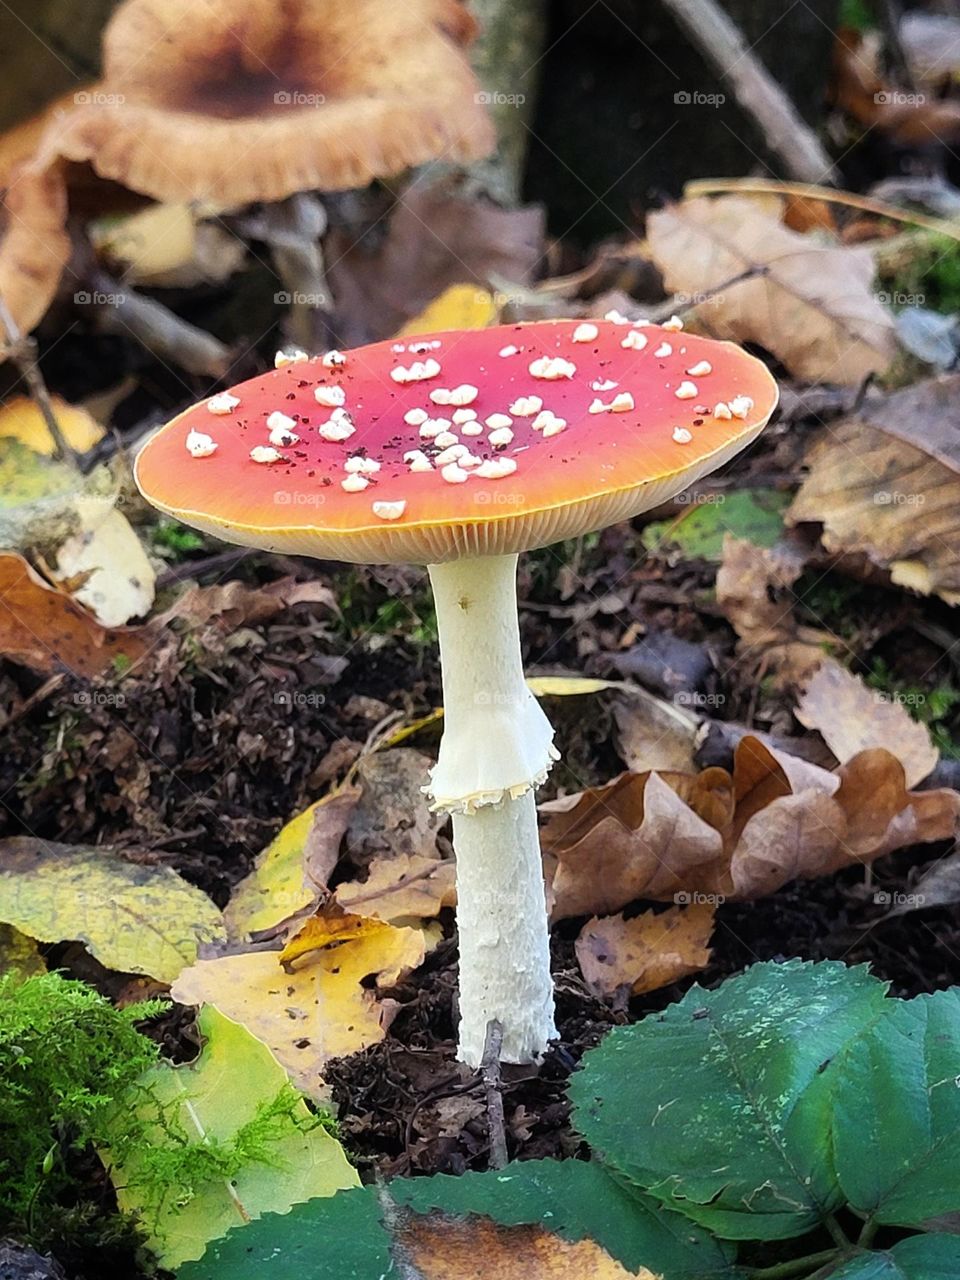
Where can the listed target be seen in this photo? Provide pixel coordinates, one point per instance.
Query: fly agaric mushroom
(383, 489)
(234, 101)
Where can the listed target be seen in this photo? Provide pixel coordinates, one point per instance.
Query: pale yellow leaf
(133, 917)
(316, 1009)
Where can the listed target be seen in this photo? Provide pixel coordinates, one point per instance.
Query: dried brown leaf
(851, 717)
(236, 604)
(405, 887)
(813, 305)
(753, 590)
(46, 630)
(887, 484)
(776, 819)
(644, 836)
(436, 237)
(619, 958)
(393, 817)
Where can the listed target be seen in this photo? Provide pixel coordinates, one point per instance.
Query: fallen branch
(162, 332)
(720, 41)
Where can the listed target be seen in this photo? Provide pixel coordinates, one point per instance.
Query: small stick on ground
(163, 333)
(722, 44)
(490, 1071)
(22, 349)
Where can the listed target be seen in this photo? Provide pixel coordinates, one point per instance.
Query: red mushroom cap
(630, 415)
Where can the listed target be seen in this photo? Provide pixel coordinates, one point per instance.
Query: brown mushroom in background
(241, 100)
(34, 244)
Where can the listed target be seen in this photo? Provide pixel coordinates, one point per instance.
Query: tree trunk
(629, 110)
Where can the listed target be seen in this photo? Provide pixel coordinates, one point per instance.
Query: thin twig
(22, 350)
(754, 271)
(721, 42)
(161, 331)
(490, 1071)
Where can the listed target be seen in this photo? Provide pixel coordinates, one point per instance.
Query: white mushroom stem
(497, 747)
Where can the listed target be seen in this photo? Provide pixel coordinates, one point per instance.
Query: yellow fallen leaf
(210, 1100)
(118, 579)
(132, 917)
(147, 243)
(461, 306)
(620, 957)
(20, 419)
(569, 686)
(317, 1008)
(290, 874)
(330, 929)
(19, 954)
(405, 887)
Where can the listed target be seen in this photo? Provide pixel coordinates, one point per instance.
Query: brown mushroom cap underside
(239, 100)
(34, 244)
(372, 456)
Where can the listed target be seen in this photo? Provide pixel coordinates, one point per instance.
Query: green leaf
(348, 1237)
(754, 514)
(918, 1258)
(897, 1112)
(719, 1105)
(227, 1139)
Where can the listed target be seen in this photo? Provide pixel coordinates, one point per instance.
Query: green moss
(179, 1166)
(173, 540)
(66, 1055)
(931, 279)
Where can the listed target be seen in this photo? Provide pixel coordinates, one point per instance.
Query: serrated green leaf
(348, 1237)
(754, 514)
(210, 1101)
(727, 1097)
(918, 1258)
(896, 1129)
